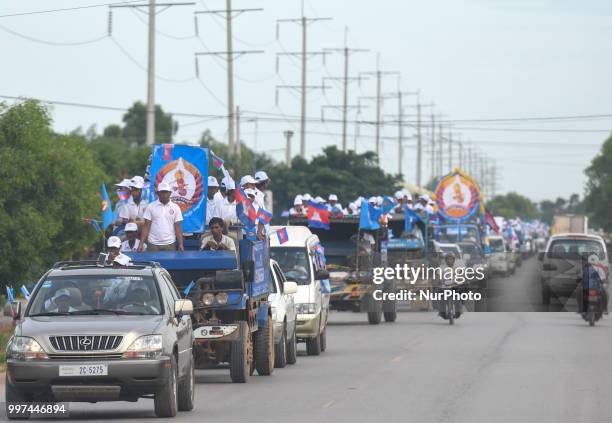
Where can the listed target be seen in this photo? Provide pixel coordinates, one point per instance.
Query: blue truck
(232, 319)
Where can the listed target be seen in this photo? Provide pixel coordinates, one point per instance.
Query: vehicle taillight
(592, 292)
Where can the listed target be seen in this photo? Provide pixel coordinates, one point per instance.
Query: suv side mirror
(541, 256)
(290, 287)
(321, 274)
(183, 307)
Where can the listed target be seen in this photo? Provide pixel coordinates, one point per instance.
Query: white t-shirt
(213, 208)
(225, 240)
(131, 210)
(125, 246)
(228, 212)
(163, 217)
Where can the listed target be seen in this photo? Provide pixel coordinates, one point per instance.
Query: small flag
(216, 160)
(25, 292)
(388, 204)
(10, 294)
(124, 196)
(188, 288)
(167, 152)
(318, 215)
(105, 208)
(369, 216)
(411, 217)
(490, 220)
(282, 235)
(264, 216)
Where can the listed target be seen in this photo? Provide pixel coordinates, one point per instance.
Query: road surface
(488, 367)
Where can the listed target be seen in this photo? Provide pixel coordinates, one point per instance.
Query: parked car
(283, 316)
(300, 259)
(94, 333)
(561, 263)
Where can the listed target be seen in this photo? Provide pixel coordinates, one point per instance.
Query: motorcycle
(593, 310)
(449, 309)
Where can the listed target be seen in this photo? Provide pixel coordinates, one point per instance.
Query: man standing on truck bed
(162, 228)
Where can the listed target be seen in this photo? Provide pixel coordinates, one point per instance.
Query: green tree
(48, 184)
(599, 187)
(512, 205)
(135, 128)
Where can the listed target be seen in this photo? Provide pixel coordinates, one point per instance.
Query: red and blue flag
(264, 216)
(216, 160)
(282, 235)
(318, 215)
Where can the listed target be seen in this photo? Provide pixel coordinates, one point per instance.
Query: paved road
(489, 367)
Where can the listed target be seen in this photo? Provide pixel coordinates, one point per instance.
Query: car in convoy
(302, 261)
(441, 249)
(95, 333)
(283, 316)
(561, 268)
(501, 260)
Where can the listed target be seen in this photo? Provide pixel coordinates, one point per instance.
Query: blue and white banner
(185, 169)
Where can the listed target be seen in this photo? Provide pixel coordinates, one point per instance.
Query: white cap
(212, 182)
(332, 197)
(126, 183)
(228, 183)
(247, 179)
(408, 196)
(137, 182)
(114, 242)
(306, 197)
(319, 199)
(372, 200)
(164, 186)
(131, 227)
(64, 292)
(122, 259)
(261, 176)
(379, 200)
(424, 197)
(398, 195)
(298, 200)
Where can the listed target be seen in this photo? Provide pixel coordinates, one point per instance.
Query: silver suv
(96, 333)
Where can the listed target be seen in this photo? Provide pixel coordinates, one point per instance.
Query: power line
(52, 43)
(38, 12)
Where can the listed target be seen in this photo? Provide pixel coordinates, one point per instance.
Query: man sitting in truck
(215, 240)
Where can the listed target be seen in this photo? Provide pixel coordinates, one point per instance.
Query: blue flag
(10, 294)
(188, 288)
(411, 218)
(388, 204)
(106, 209)
(185, 169)
(25, 292)
(369, 216)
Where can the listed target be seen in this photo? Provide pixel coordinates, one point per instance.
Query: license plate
(84, 370)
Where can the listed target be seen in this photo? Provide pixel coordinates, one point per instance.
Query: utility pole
(304, 22)
(238, 148)
(288, 135)
(400, 122)
(346, 51)
(230, 55)
(151, 7)
(433, 146)
(460, 155)
(419, 127)
(450, 151)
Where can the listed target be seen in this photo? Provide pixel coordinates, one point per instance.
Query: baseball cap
(319, 199)
(163, 186)
(114, 242)
(372, 200)
(212, 182)
(247, 179)
(131, 227)
(398, 195)
(306, 197)
(261, 176)
(424, 197)
(125, 183)
(332, 197)
(298, 200)
(228, 183)
(137, 182)
(63, 292)
(122, 259)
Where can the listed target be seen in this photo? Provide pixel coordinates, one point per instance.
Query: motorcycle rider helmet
(593, 259)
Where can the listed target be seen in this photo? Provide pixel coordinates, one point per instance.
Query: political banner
(185, 169)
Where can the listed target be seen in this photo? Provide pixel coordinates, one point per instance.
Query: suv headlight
(221, 298)
(24, 348)
(306, 308)
(148, 347)
(208, 299)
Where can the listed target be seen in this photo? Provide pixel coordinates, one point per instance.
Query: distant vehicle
(283, 316)
(569, 223)
(561, 263)
(501, 261)
(301, 262)
(474, 257)
(93, 333)
(440, 249)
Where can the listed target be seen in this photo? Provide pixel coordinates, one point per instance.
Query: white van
(302, 262)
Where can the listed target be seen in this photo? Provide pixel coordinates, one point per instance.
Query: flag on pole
(490, 220)
(10, 294)
(105, 209)
(282, 235)
(219, 163)
(318, 215)
(388, 204)
(188, 288)
(25, 292)
(411, 217)
(264, 216)
(369, 216)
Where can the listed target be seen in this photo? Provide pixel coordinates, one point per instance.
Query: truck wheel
(15, 396)
(280, 351)
(186, 389)
(390, 316)
(313, 345)
(240, 362)
(292, 349)
(374, 317)
(323, 340)
(165, 401)
(263, 344)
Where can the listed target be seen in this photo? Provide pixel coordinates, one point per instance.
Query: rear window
(574, 248)
(497, 245)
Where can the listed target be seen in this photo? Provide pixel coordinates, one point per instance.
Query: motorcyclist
(450, 262)
(593, 277)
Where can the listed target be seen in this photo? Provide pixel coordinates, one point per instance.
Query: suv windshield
(100, 294)
(294, 262)
(497, 245)
(564, 248)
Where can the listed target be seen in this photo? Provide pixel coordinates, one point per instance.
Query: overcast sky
(476, 59)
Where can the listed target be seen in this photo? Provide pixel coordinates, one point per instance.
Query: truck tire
(280, 351)
(323, 339)
(240, 364)
(313, 345)
(390, 316)
(263, 348)
(165, 401)
(374, 317)
(292, 349)
(186, 389)
(15, 396)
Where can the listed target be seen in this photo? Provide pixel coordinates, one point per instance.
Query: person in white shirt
(263, 184)
(298, 208)
(133, 210)
(216, 240)
(123, 187)
(132, 242)
(162, 229)
(212, 199)
(423, 205)
(334, 206)
(228, 205)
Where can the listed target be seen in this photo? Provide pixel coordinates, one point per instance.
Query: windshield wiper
(97, 311)
(52, 313)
